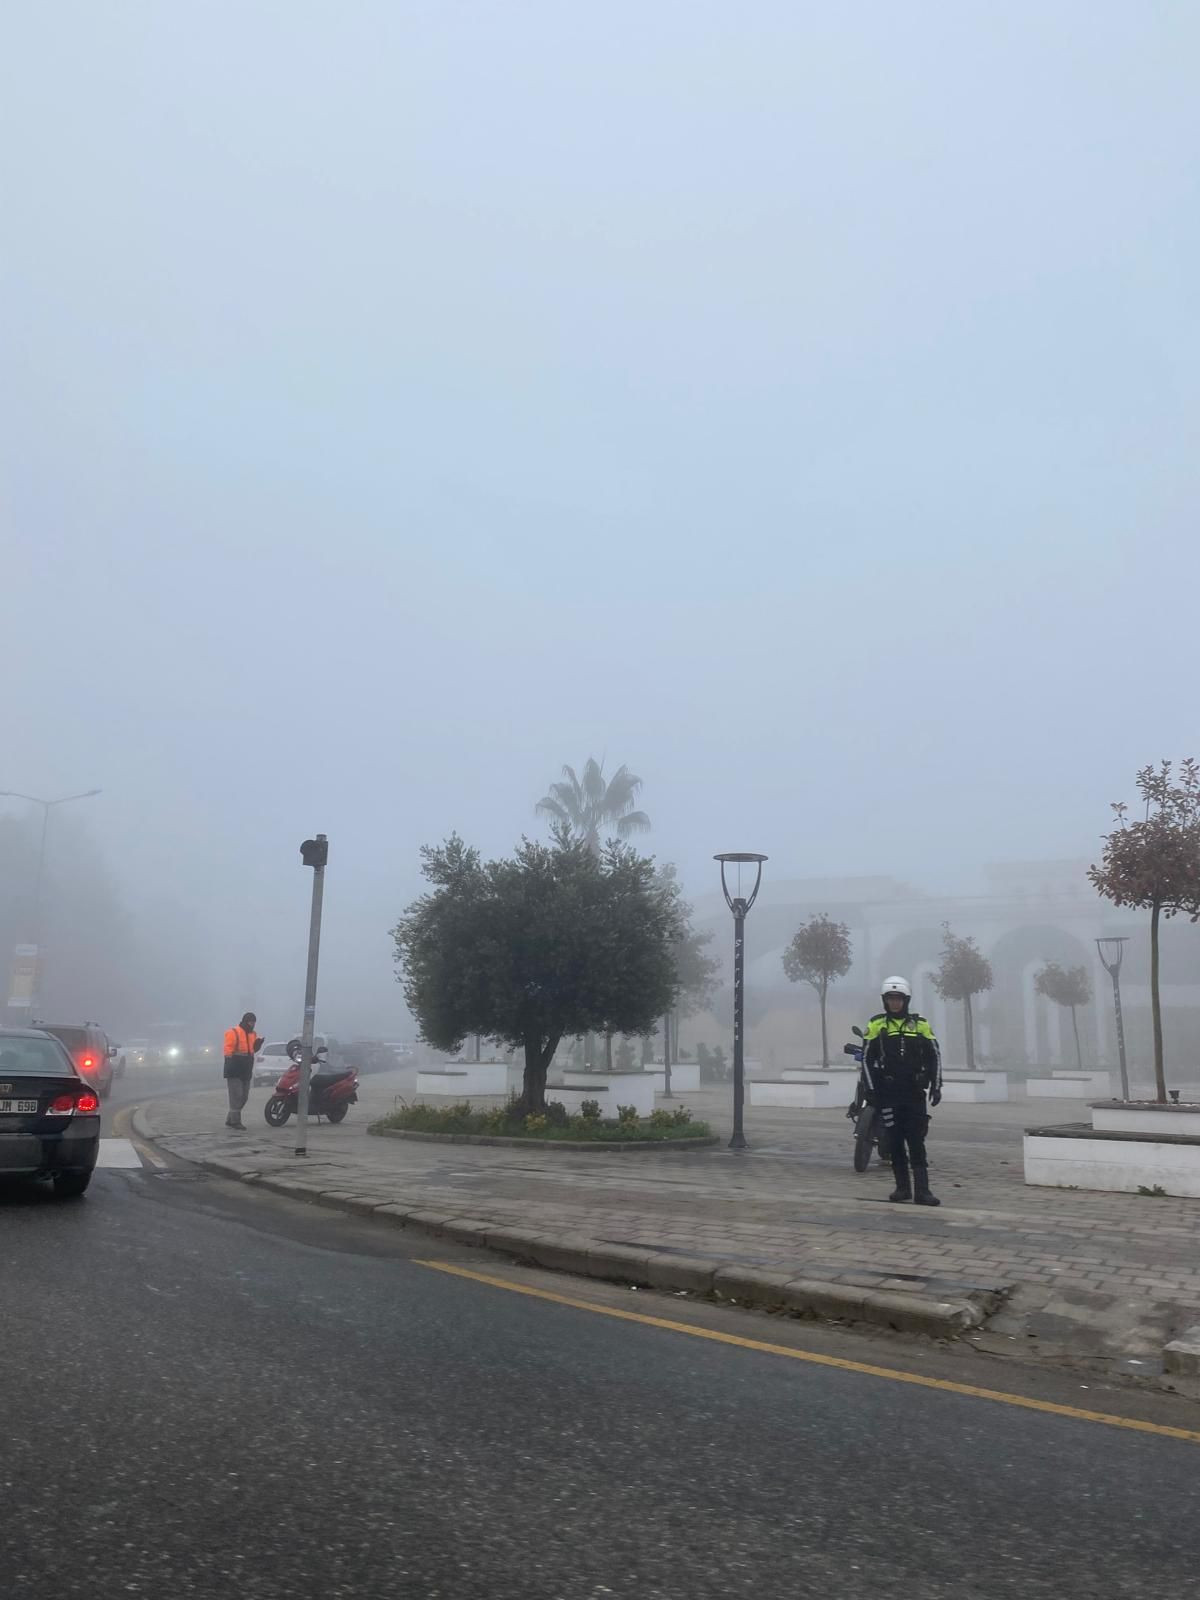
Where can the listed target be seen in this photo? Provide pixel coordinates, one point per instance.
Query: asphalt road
(210, 1392)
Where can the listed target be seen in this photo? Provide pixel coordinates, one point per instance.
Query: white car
(272, 1061)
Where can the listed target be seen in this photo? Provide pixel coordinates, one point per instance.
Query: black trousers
(907, 1122)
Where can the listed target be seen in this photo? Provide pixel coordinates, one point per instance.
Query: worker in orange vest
(241, 1046)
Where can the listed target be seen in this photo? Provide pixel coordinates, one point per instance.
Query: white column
(1029, 1000)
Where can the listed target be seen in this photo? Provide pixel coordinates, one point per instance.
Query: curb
(580, 1255)
(613, 1146)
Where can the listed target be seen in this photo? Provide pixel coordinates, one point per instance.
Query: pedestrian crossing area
(119, 1155)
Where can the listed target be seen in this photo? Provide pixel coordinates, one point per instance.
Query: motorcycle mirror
(857, 1032)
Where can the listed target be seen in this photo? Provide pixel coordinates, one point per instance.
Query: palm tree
(592, 804)
(585, 807)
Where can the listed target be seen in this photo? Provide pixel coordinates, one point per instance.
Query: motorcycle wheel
(863, 1145)
(337, 1113)
(277, 1111)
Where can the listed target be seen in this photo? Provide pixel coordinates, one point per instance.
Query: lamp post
(47, 806)
(1112, 953)
(739, 904)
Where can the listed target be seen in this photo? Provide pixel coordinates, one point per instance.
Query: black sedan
(49, 1114)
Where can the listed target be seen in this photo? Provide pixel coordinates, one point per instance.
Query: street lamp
(47, 806)
(739, 904)
(1112, 953)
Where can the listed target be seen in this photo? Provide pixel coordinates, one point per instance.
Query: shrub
(556, 1114)
(661, 1118)
(627, 1116)
(680, 1117)
(535, 1123)
(589, 1111)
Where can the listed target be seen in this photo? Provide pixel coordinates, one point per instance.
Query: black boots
(923, 1196)
(903, 1189)
(905, 1185)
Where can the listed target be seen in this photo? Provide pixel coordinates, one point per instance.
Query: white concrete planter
(1069, 1086)
(1157, 1119)
(619, 1089)
(1101, 1081)
(974, 1087)
(468, 1079)
(817, 1094)
(838, 1074)
(1121, 1165)
(685, 1077)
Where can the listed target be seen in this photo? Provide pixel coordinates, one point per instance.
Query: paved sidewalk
(1112, 1274)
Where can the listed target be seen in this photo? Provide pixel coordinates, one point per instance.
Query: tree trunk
(538, 1055)
(477, 1044)
(1160, 1075)
(1078, 1051)
(608, 1066)
(823, 992)
(969, 1031)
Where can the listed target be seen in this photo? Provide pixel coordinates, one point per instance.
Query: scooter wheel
(277, 1111)
(337, 1113)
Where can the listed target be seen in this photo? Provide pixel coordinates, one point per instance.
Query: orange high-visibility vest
(240, 1043)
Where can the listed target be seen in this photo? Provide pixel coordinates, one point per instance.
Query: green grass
(504, 1121)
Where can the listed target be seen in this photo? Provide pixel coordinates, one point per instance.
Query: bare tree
(964, 973)
(1066, 986)
(819, 954)
(1154, 863)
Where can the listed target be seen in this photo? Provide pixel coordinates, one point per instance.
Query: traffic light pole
(314, 853)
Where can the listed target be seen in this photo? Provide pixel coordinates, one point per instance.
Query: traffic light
(315, 852)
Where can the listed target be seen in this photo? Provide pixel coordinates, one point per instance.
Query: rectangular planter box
(1101, 1081)
(685, 1077)
(640, 1095)
(818, 1094)
(1069, 1086)
(975, 1087)
(1147, 1119)
(467, 1079)
(1114, 1164)
(838, 1074)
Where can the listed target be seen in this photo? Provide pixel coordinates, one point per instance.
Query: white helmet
(897, 986)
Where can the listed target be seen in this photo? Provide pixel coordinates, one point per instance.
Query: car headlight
(173, 1051)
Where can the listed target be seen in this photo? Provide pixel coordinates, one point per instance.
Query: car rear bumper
(39, 1155)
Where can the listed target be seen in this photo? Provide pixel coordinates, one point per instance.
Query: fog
(795, 402)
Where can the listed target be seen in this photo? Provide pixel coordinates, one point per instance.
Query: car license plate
(18, 1108)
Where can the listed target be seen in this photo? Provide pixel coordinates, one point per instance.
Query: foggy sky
(796, 402)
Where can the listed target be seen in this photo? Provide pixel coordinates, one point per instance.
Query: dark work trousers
(907, 1123)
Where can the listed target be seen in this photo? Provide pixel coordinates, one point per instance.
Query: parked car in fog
(272, 1059)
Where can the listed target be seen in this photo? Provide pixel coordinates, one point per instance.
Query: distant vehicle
(273, 1059)
(49, 1113)
(370, 1055)
(134, 1053)
(91, 1050)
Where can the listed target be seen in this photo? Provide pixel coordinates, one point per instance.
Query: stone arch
(1028, 1028)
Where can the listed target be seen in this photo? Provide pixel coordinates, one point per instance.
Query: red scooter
(331, 1091)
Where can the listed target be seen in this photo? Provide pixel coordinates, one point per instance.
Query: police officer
(901, 1064)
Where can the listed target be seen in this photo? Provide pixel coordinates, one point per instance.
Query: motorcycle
(331, 1092)
(869, 1132)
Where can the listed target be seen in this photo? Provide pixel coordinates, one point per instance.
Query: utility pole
(314, 853)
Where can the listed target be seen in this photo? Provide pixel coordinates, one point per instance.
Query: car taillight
(66, 1105)
(87, 1063)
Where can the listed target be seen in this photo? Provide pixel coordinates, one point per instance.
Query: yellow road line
(1134, 1424)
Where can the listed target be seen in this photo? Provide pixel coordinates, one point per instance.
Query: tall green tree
(1066, 986)
(591, 805)
(963, 974)
(819, 954)
(1154, 863)
(553, 942)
